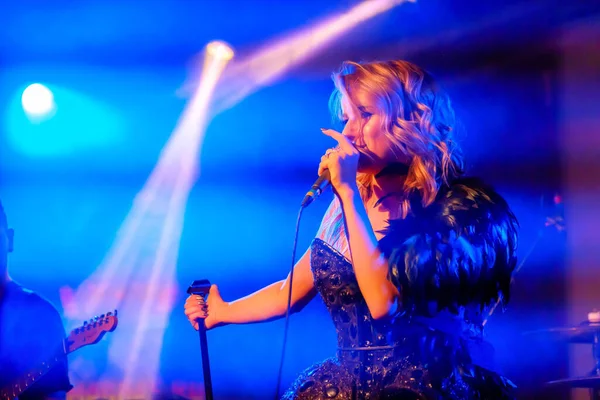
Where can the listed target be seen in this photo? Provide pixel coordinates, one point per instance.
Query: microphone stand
(201, 288)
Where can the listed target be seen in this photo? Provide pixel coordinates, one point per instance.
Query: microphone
(317, 188)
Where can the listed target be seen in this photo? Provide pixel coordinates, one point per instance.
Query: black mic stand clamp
(201, 288)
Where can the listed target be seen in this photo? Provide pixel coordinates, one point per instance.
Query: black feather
(459, 251)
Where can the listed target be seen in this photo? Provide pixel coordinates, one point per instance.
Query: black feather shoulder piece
(459, 251)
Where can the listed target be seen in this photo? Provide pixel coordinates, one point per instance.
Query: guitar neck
(25, 381)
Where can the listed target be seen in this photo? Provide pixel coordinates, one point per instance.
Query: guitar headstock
(91, 331)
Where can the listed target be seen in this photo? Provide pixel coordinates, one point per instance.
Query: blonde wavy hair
(419, 124)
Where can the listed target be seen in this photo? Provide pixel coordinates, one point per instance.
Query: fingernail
(323, 129)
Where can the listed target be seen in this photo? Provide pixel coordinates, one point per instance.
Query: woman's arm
(370, 265)
(271, 302)
(266, 304)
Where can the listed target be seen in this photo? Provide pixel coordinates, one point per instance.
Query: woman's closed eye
(365, 115)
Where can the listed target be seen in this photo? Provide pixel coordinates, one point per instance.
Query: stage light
(219, 49)
(266, 65)
(59, 122)
(144, 254)
(37, 100)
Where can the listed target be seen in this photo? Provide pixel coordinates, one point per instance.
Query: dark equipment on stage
(588, 332)
(201, 288)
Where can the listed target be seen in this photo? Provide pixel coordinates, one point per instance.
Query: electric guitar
(90, 332)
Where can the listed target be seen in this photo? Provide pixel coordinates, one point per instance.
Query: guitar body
(23, 383)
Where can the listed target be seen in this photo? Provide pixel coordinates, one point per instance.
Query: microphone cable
(289, 305)
(316, 190)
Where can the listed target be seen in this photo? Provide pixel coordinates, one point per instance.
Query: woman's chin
(368, 171)
(368, 167)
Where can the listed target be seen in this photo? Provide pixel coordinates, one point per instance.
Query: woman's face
(364, 125)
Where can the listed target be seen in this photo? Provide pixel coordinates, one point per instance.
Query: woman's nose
(351, 131)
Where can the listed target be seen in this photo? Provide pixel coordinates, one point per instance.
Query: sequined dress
(411, 356)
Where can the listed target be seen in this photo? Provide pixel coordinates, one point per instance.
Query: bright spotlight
(220, 50)
(276, 58)
(37, 100)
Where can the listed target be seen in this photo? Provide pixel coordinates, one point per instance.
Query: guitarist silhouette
(30, 331)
